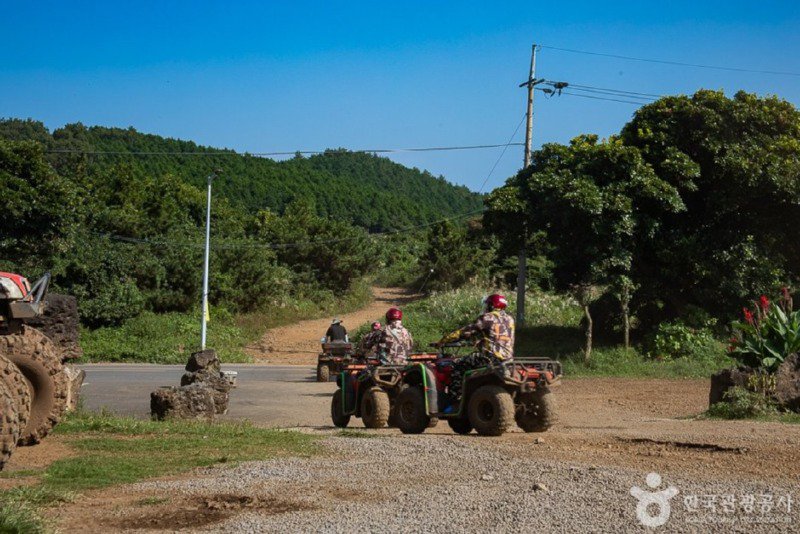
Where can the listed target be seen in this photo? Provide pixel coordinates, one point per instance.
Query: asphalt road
(272, 395)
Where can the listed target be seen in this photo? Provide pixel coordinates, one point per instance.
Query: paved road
(266, 394)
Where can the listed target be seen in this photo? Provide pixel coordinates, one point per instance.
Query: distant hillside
(367, 190)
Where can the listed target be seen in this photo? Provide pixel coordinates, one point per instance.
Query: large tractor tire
(539, 411)
(460, 425)
(337, 411)
(323, 373)
(411, 416)
(18, 388)
(491, 410)
(375, 408)
(9, 424)
(40, 362)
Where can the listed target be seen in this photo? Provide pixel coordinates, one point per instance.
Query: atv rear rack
(542, 364)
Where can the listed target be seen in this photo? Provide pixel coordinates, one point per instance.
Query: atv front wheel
(460, 425)
(40, 362)
(9, 424)
(18, 388)
(375, 408)
(339, 418)
(537, 412)
(491, 410)
(323, 373)
(411, 416)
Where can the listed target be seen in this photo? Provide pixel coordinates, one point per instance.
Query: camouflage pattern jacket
(495, 331)
(392, 343)
(368, 344)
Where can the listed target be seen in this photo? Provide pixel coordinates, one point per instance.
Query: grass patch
(171, 337)
(117, 450)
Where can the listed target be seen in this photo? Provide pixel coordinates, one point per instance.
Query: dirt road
(612, 432)
(298, 343)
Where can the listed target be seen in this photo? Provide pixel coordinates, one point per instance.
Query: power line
(497, 161)
(265, 154)
(607, 90)
(675, 63)
(550, 93)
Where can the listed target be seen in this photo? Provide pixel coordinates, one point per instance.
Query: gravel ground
(463, 484)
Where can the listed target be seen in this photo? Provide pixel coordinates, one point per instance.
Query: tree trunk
(587, 351)
(626, 319)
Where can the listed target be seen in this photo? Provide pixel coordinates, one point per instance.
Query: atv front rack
(541, 364)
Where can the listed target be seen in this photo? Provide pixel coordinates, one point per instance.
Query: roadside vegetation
(111, 450)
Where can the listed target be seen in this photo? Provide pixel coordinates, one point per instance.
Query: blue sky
(263, 76)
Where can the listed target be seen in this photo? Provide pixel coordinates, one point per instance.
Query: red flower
(748, 315)
(764, 303)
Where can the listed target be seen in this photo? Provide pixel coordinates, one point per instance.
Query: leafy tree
(736, 164)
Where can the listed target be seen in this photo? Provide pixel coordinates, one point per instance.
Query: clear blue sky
(264, 76)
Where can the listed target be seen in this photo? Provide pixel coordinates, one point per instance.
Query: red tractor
(493, 398)
(34, 386)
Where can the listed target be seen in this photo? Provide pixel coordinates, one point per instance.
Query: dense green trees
(690, 207)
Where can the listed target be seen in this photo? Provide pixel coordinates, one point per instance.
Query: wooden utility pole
(523, 263)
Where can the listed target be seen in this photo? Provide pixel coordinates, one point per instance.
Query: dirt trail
(298, 343)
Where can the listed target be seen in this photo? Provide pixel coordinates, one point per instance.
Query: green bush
(741, 403)
(675, 340)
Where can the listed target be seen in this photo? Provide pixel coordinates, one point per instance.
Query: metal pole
(204, 311)
(523, 263)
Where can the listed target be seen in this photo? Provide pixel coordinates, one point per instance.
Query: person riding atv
(494, 329)
(392, 344)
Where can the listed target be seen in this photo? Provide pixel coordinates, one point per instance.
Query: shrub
(676, 340)
(741, 403)
(768, 334)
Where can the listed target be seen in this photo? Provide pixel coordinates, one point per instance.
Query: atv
(368, 389)
(494, 396)
(333, 358)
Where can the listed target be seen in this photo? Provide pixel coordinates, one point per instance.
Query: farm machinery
(36, 387)
(417, 395)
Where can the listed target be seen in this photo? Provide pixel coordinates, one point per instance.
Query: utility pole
(522, 265)
(204, 313)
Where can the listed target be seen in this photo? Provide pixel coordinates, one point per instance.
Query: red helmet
(376, 325)
(394, 314)
(496, 302)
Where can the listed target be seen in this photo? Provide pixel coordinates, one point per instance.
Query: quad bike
(333, 358)
(34, 386)
(494, 396)
(369, 389)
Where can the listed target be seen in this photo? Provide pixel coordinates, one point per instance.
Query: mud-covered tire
(460, 425)
(538, 411)
(323, 373)
(18, 388)
(337, 411)
(9, 425)
(375, 408)
(410, 413)
(491, 410)
(40, 362)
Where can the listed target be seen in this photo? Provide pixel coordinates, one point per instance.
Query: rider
(393, 343)
(369, 340)
(494, 329)
(336, 333)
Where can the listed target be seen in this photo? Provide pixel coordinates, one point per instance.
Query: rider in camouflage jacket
(394, 343)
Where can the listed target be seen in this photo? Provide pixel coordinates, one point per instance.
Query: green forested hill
(367, 190)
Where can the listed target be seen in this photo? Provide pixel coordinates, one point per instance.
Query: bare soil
(298, 343)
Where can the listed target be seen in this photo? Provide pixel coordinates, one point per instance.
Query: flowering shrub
(769, 333)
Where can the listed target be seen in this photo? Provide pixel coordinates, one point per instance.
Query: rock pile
(203, 393)
(787, 383)
(60, 322)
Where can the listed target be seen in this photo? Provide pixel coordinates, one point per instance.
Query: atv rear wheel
(323, 373)
(18, 388)
(40, 362)
(460, 425)
(337, 411)
(9, 424)
(491, 410)
(411, 416)
(538, 411)
(375, 408)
